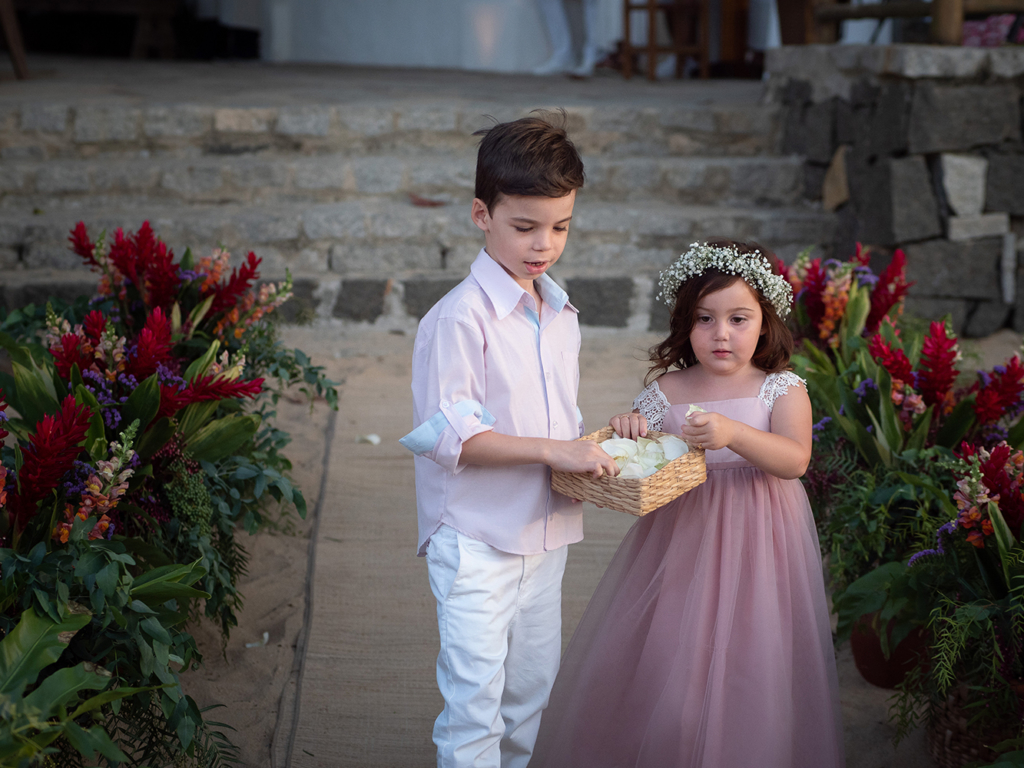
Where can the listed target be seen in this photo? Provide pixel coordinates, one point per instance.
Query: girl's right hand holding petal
(629, 425)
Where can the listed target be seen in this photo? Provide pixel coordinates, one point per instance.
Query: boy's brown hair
(774, 346)
(532, 156)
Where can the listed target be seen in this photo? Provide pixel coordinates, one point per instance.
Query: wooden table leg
(12, 33)
(948, 22)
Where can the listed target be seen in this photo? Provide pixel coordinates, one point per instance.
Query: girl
(707, 642)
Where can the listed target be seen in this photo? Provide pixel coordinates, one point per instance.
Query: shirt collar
(505, 293)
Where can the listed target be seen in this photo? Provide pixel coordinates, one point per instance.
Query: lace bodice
(653, 404)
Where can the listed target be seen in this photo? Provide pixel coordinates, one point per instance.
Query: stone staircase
(335, 193)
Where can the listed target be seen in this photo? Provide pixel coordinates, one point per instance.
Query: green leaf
(1004, 539)
(918, 437)
(62, 688)
(199, 365)
(34, 395)
(31, 646)
(155, 629)
(194, 416)
(96, 437)
(154, 439)
(1016, 435)
(142, 404)
(108, 578)
(223, 437)
(957, 424)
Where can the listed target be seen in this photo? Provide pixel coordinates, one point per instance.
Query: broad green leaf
(142, 404)
(155, 629)
(920, 433)
(31, 646)
(154, 439)
(957, 424)
(62, 688)
(194, 416)
(223, 437)
(96, 437)
(33, 395)
(176, 573)
(1004, 539)
(199, 365)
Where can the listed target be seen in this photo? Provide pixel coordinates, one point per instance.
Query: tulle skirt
(707, 643)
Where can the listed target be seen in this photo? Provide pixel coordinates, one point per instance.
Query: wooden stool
(687, 21)
(12, 34)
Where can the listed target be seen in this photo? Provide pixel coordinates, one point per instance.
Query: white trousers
(500, 621)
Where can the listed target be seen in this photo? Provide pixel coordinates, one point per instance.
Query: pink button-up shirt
(485, 360)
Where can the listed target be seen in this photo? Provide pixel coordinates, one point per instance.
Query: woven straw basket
(637, 496)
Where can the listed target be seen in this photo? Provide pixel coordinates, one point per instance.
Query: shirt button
(445, 403)
(554, 423)
(547, 375)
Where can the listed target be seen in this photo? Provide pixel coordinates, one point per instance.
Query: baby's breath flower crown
(754, 268)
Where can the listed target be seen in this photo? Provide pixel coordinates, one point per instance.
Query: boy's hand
(582, 456)
(709, 431)
(629, 425)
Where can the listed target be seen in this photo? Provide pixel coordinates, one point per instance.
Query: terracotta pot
(871, 662)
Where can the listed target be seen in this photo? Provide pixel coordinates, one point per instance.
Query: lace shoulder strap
(652, 405)
(776, 385)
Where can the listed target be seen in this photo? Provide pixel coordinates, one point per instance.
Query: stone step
(46, 129)
(380, 237)
(336, 177)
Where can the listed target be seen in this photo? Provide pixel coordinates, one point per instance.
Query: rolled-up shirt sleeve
(449, 389)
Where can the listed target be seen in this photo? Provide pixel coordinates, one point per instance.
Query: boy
(494, 380)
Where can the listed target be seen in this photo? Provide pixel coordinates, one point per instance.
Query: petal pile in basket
(643, 457)
(635, 495)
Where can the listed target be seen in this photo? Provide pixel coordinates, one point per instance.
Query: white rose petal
(673, 446)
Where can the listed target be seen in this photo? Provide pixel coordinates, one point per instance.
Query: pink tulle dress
(707, 642)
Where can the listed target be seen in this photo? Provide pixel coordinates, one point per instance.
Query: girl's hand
(629, 425)
(709, 431)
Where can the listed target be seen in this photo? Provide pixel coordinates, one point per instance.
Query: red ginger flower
(152, 347)
(1001, 474)
(94, 325)
(228, 294)
(72, 350)
(892, 286)
(1001, 393)
(50, 453)
(814, 286)
(894, 360)
(937, 371)
(862, 256)
(162, 279)
(82, 245)
(205, 388)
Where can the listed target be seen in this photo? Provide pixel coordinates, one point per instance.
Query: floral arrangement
(143, 441)
(823, 290)
(968, 589)
(754, 268)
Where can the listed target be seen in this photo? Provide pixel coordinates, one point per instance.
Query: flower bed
(916, 482)
(144, 440)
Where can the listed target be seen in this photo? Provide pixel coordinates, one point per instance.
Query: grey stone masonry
(73, 130)
(934, 161)
(767, 181)
(358, 183)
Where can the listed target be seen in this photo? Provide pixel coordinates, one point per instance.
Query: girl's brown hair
(774, 346)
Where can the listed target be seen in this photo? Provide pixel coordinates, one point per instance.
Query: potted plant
(968, 589)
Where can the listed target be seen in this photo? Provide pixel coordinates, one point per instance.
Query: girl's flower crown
(754, 268)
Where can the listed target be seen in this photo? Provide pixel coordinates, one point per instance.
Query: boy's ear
(480, 215)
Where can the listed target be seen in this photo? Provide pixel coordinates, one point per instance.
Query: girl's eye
(561, 229)
(704, 318)
(523, 229)
(738, 320)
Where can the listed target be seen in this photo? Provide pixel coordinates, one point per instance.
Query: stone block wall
(920, 148)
